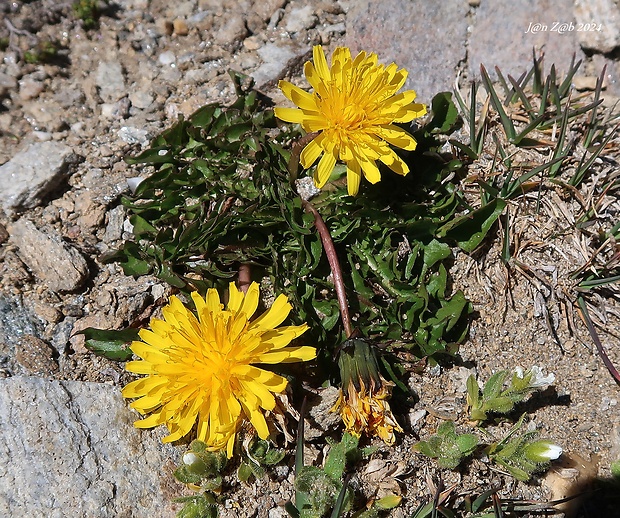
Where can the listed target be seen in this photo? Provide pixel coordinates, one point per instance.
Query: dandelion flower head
(204, 369)
(354, 108)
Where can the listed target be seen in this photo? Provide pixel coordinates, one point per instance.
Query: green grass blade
(592, 122)
(568, 80)
(507, 91)
(583, 168)
(595, 283)
(507, 123)
(518, 182)
(522, 96)
(559, 147)
(538, 72)
(544, 97)
(340, 501)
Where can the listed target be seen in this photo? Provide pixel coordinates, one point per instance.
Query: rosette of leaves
(448, 447)
(220, 195)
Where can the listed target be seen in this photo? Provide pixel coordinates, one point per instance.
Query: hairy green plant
(523, 455)
(202, 469)
(258, 454)
(448, 447)
(498, 399)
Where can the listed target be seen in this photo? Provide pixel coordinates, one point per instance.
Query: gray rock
(16, 322)
(427, 39)
(7, 83)
(110, 81)
(30, 87)
(132, 135)
(167, 58)
(504, 36)
(32, 173)
(114, 226)
(321, 419)
(233, 29)
(69, 449)
(300, 18)
(275, 56)
(603, 17)
(57, 264)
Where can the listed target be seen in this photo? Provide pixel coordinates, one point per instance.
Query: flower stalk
(334, 264)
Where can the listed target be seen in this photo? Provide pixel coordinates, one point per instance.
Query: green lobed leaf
(112, 344)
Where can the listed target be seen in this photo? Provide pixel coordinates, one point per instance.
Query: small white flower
(538, 381)
(542, 451)
(553, 451)
(190, 458)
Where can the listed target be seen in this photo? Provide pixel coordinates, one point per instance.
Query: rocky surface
(67, 123)
(70, 449)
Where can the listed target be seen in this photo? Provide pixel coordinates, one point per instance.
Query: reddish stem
(334, 264)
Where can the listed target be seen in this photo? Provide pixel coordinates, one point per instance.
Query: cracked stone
(34, 172)
(59, 265)
(69, 449)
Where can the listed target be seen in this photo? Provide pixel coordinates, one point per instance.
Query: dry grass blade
(599, 346)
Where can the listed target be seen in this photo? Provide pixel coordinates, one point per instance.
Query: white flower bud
(542, 451)
(190, 458)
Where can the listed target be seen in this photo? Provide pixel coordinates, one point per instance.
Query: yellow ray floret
(353, 108)
(203, 368)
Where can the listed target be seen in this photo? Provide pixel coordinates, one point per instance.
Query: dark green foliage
(114, 345)
(220, 195)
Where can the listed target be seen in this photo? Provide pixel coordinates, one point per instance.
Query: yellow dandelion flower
(204, 368)
(353, 108)
(363, 401)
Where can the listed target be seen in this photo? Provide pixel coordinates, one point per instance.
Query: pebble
(167, 58)
(117, 110)
(56, 263)
(45, 115)
(34, 171)
(232, 30)
(114, 225)
(47, 312)
(141, 99)
(7, 83)
(29, 88)
(300, 18)
(274, 57)
(179, 27)
(42, 136)
(132, 135)
(582, 83)
(110, 81)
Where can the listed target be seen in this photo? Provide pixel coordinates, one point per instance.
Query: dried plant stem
(245, 277)
(599, 346)
(296, 149)
(334, 264)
